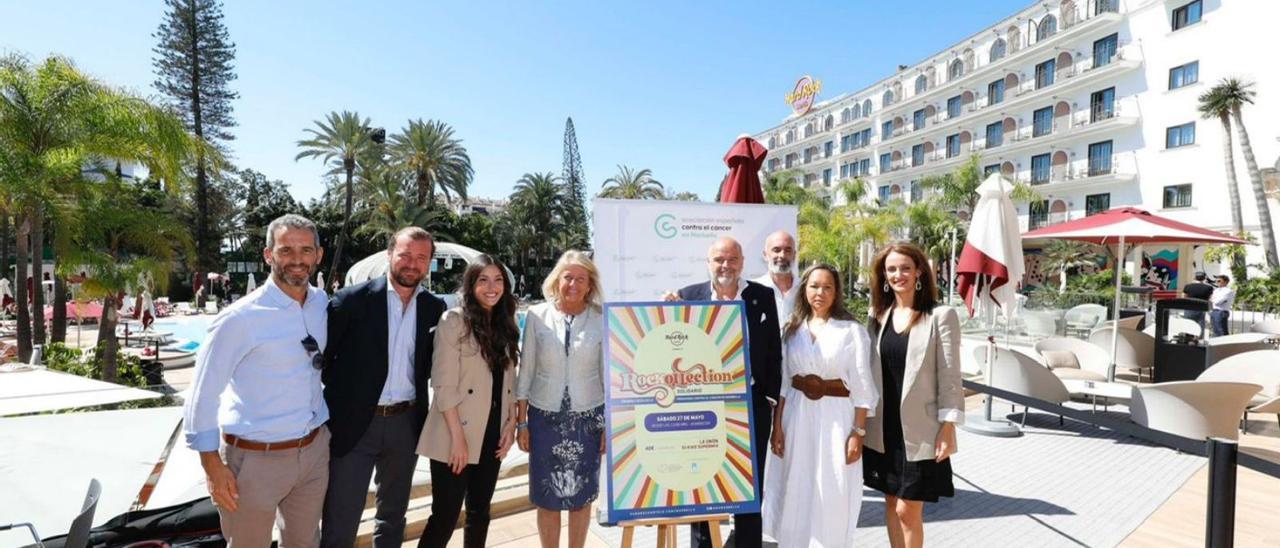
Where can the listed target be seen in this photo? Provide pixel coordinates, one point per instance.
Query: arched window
(997, 50)
(845, 116)
(1015, 39)
(828, 123)
(887, 99)
(866, 107)
(955, 70)
(791, 136)
(1047, 27)
(773, 142)
(808, 129)
(922, 84)
(857, 111)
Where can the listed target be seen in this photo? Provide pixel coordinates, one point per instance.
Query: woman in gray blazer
(560, 398)
(912, 434)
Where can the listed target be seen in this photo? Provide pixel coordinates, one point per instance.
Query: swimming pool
(188, 331)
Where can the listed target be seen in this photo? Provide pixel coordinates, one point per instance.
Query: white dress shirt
(402, 335)
(785, 300)
(1223, 298)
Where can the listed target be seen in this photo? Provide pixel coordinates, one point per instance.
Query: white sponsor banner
(645, 248)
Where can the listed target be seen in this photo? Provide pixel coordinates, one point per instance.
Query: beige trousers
(284, 488)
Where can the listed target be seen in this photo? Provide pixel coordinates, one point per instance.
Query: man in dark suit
(378, 365)
(764, 346)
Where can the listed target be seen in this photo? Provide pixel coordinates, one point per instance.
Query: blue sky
(660, 84)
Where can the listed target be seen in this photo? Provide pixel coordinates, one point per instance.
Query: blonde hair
(573, 257)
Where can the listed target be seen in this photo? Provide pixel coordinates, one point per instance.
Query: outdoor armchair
(1021, 374)
(1134, 349)
(1084, 318)
(1260, 367)
(1086, 360)
(1192, 409)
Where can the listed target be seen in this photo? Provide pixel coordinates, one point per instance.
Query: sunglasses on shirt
(313, 350)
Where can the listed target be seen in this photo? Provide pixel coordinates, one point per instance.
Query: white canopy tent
(375, 265)
(34, 389)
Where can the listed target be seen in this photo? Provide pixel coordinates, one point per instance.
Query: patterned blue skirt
(564, 456)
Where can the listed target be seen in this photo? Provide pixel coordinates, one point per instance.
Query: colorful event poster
(678, 410)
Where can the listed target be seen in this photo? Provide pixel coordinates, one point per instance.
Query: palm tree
(1215, 104)
(958, 189)
(1230, 95)
(538, 201)
(430, 152)
(629, 184)
(54, 123)
(387, 209)
(124, 245)
(341, 137)
(1065, 255)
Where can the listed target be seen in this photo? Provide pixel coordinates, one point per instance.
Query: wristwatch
(521, 425)
(861, 432)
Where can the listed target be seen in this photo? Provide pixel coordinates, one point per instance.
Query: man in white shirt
(1223, 298)
(780, 256)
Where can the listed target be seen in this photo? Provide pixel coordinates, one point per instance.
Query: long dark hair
(882, 299)
(495, 331)
(802, 311)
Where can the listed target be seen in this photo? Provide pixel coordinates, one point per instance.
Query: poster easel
(667, 529)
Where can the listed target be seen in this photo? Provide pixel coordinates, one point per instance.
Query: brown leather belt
(242, 443)
(393, 409)
(815, 387)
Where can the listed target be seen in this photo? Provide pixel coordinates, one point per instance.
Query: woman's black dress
(891, 473)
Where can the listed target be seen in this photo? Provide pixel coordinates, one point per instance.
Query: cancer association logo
(665, 226)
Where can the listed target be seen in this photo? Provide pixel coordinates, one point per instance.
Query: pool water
(188, 333)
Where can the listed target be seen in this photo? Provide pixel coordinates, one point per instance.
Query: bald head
(779, 252)
(724, 262)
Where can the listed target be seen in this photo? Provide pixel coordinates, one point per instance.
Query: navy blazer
(764, 338)
(356, 360)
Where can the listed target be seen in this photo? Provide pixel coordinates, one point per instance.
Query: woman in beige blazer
(912, 433)
(471, 424)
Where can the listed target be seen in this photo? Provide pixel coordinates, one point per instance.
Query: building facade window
(1044, 73)
(1038, 214)
(887, 98)
(883, 194)
(791, 160)
(922, 84)
(1180, 136)
(953, 108)
(1102, 105)
(826, 177)
(995, 134)
(866, 107)
(1106, 6)
(998, 49)
(917, 192)
(828, 148)
(917, 120)
(1040, 169)
(1184, 75)
(1177, 196)
(988, 170)
(1100, 158)
(995, 92)
(953, 145)
(1187, 15)
(886, 131)
(864, 167)
(886, 163)
(1104, 50)
(917, 155)
(1042, 122)
(1047, 28)
(955, 70)
(808, 155)
(1096, 203)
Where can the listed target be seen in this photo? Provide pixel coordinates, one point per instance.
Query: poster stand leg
(667, 529)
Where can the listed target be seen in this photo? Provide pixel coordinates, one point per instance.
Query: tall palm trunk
(425, 196)
(22, 247)
(5, 236)
(1259, 193)
(108, 346)
(350, 167)
(58, 331)
(1238, 268)
(37, 275)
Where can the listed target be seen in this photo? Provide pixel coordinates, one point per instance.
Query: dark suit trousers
(388, 452)
(747, 528)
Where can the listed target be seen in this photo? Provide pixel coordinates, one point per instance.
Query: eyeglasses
(313, 351)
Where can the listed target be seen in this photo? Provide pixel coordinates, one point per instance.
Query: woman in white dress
(813, 481)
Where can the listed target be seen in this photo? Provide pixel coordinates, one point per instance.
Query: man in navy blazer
(377, 368)
(764, 346)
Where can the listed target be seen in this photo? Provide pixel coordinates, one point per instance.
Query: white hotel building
(1094, 102)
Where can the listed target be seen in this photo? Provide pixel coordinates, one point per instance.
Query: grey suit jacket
(931, 390)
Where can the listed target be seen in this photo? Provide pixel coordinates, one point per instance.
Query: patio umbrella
(989, 271)
(1128, 225)
(744, 159)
